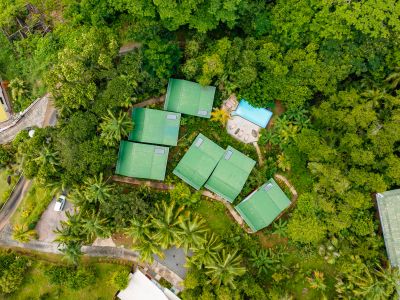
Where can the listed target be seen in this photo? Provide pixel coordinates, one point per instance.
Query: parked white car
(60, 203)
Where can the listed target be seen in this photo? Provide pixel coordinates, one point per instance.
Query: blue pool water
(258, 116)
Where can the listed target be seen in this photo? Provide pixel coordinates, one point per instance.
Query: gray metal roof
(389, 212)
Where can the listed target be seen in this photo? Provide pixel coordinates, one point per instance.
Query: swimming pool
(258, 116)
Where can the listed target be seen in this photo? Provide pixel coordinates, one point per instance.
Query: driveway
(174, 260)
(50, 220)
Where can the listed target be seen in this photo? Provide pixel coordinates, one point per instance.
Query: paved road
(40, 113)
(15, 198)
(94, 251)
(175, 259)
(50, 220)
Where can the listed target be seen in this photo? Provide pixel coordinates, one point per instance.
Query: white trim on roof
(141, 288)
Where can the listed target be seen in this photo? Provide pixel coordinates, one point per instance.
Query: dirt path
(259, 154)
(295, 195)
(289, 185)
(150, 101)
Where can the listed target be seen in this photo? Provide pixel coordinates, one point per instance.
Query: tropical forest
(75, 72)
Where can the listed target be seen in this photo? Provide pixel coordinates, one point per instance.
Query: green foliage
(73, 278)
(357, 280)
(224, 268)
(120, 279)
(88, 52)
(113, 129)
(23, 234)
(12, 271)
(122, 207)
(6, 156)
(333, 66)
(182, 195)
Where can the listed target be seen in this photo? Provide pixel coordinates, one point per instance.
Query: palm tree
(263, 261)
(207, 251)
(23, 234)
(115, 128)
(77, 197)
(72, 252)
(94, 227)
(394, 78)
(280, 228)
(298, 117)
(191, 233)
(97, 190)
(71, 230)
(139, 230)
(47, 156)
(220, 115)
(374, 95)
(225, 268)
(147, 249)
(381, 284)
(167, 224)
(54, 187)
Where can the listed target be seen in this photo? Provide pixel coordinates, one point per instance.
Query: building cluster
(205, 164)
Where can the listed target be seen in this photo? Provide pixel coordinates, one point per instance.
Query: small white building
(141, 287)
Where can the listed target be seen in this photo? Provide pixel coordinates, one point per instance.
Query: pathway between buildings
(238, 218)
(259, 154)
(150, 101)
(164, 186)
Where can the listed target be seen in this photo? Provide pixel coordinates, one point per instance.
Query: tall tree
(225, 268)
(166, 224)
(113, 128)
(192, 230)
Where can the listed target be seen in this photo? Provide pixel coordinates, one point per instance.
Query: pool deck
(243, 130)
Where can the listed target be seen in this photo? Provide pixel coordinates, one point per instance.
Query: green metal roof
(389, 212)
(142, 160)
(199, 161)
(189, 98)
(261, 207)
(231, 174)
(155, 126)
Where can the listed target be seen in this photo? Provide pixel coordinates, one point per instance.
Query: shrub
(12, 272)
(74, 279)
(120, 279)
(81, 279)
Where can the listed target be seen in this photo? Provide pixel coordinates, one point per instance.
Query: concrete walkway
(40, 113)
(93, 251)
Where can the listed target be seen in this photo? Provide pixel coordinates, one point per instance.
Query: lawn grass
(36, 285)
(33, 205)
(216, 216)
(6, 189)
(300, 288)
